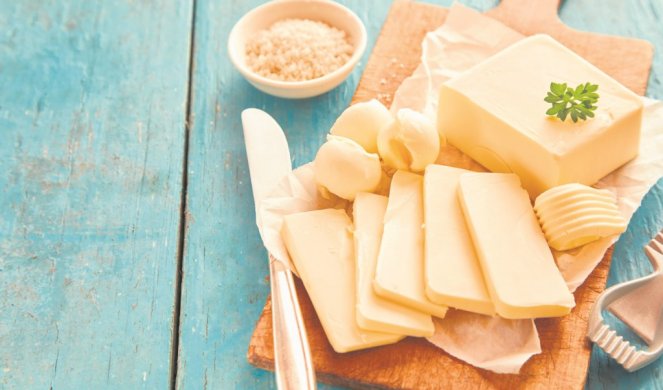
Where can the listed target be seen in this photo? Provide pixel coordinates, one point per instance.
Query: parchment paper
(466, 39)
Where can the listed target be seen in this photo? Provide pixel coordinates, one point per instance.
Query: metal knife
(269, 162)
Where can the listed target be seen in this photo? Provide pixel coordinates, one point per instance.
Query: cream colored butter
(373, 312)
(320, 245)
(410, 142)
(344, 168)
(399, 275)
(362, 122)
(495, 113)
(520, 272)
(452, 271)
(573, 214)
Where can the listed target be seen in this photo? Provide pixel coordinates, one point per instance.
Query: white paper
(465, 39)
(462, 331)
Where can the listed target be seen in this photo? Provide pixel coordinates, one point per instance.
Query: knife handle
(292, 357)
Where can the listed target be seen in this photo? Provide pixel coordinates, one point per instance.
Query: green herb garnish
(579, 103)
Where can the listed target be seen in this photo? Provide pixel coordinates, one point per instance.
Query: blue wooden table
(128, 252)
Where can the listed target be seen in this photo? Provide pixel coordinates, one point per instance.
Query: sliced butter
(321, 247)
(521, 274)
(572, 215)
(399, 275)
(495, 113)
(373, 312)
(452, 271)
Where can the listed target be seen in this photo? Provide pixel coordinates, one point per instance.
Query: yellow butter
(399, 275)
(573, 214)
(452, 271)
(320, 245)
(495, 113)
(373, 312)
(519, 269)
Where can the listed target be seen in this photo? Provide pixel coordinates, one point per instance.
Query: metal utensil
(630, 357)
(269, 161)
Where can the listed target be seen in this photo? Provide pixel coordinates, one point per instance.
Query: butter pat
(520, 272)
(362, 123)
(344, 168)
(573, 214)
(375, 313)
(495, 113)
(410, 142)
(399, 275)
(452, 271)
(320, 244)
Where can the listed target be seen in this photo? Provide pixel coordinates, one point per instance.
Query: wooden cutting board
(414, 363)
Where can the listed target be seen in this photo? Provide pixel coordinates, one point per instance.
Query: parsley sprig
(579, 102)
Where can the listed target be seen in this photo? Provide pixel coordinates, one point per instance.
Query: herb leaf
(578, 103)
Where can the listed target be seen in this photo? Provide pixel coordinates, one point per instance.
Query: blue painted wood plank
(225, 268)
(629, 262)
(639, 19)
(92, 112)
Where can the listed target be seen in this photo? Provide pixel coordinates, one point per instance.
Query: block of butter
(495, 113)
(320, 245)
(399, 274)
(373, 312)
(452, 271)
(521, 274)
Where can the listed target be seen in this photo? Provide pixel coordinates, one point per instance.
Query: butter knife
(269, 162)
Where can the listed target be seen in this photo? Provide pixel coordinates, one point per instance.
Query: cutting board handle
(529, 16)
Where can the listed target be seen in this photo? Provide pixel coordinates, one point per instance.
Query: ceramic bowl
(262, 17)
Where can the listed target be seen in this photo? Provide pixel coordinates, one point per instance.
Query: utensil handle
(293, 365)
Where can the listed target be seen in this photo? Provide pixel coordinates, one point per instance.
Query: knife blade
(269, 162)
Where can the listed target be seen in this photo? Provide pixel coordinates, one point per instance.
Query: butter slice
(495, 113)
(321, 247)
(375, 313)
(399, 275)
(452, 271)
(521, 274)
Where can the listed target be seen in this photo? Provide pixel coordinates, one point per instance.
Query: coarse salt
(297, 50)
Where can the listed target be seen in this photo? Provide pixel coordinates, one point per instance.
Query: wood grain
(92, 109)
(92, 118)
(414, 363)
(225, 269)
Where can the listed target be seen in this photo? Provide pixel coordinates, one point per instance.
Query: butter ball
(344, 168)
(410, 142)
(362, 122)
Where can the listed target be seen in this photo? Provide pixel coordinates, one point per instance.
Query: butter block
(399, 274)
(520, 272)
(574, 214)
(452, 271)
(495, 113)
(320, 245)
(375, 313)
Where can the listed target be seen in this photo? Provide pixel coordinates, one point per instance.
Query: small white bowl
(264, 16)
